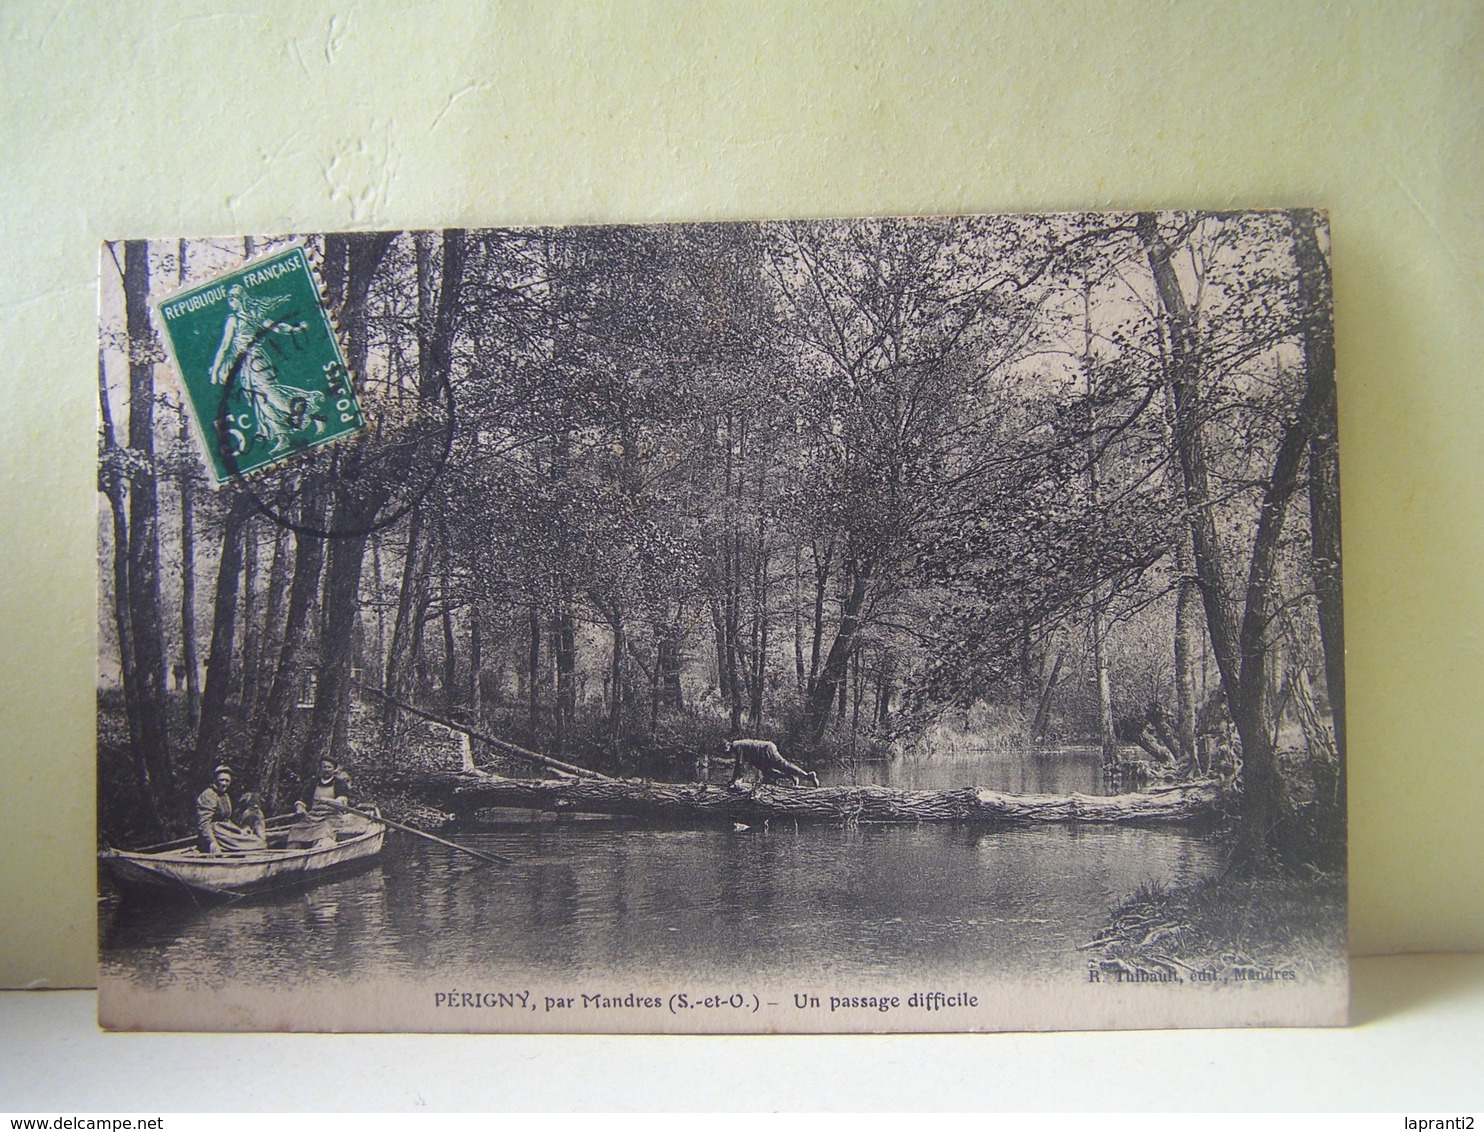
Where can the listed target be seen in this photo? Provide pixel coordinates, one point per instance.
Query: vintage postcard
(925, 624)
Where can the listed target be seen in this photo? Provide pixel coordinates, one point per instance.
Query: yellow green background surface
(133, 119)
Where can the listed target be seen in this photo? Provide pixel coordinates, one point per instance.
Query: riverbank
(1225, 929)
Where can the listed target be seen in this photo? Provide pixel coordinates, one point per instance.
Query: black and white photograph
(794, 626)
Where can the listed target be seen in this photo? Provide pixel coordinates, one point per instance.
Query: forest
(857, 486)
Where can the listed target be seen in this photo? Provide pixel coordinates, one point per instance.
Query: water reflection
(1063, 770)
(590, 898)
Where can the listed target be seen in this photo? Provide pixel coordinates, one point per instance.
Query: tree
(289, 674)
(890, 346)
(220, 658)
(1311, 237)
(186, 478)
(152, 729)
(1239, 626)
(359, 490)
(113, 482)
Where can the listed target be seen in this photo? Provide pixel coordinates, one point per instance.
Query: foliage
(818, 480)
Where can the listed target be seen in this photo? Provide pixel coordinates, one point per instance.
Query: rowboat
(179, 868)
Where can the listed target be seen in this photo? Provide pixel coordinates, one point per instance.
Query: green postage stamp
(260, 364)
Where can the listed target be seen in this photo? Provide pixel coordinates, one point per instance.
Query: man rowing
(761, 755)
(327, 794)
(324, 809)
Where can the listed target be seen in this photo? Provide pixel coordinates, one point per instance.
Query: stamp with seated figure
(259, 363)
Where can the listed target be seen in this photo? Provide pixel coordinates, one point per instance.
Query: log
(1174, 805)
(535, 757)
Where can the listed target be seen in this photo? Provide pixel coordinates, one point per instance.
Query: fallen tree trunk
(1183, 804)
(535, 757)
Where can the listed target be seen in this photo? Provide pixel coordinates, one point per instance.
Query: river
(607, 896)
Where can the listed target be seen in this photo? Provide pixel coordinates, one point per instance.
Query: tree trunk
(654, 690)
(832, 676)
(1322, 745)
(144, 542)
(1260, 782)
(188, 550)
(616, 677)
(188, 586)
(671, 690)
(857, 689)
(733, 624)
(252, 623)
(436, 347)
(1257, 799)
(1027, 669)
(111, 480)
(1324, 463)
(417, 660)
(759, 660)
(309, 555)
(1188, 804)
(1188, 650)
(719, 636)
(1106, 738)
(1190, 448)
(219, 666)
(1042, 722)
(1241, 649)
(885, 674)
(273, 610)
(533, 672)
(733, 690)
(425, 247)
(437, 323)
(436, 326)
(822, 568)
(566, 668)
(522, 753)
(355, 509)
(326, 736)
(798, 609)
(450, 651)
(409, 598)
(476, 666)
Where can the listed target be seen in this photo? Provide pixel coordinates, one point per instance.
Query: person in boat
(327, 794)
(324, 809)
(216, 831)
(761, 755)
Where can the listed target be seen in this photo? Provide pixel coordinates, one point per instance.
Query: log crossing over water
(1185, 804)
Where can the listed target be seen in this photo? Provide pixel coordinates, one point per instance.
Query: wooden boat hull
(187, 871)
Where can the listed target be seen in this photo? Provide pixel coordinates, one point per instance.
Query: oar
(492, 858)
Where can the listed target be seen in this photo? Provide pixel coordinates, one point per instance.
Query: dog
(248, 817)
